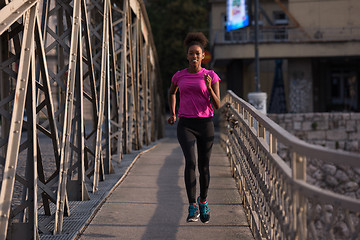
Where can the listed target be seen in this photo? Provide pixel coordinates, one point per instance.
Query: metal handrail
(279, 202)
(297, 145)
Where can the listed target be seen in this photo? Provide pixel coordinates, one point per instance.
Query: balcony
(283, 34)
(283, 42)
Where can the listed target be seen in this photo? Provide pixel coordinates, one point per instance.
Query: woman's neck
(194, 70)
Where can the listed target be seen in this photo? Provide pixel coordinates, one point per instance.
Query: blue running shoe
(193, 214)
(204, 211)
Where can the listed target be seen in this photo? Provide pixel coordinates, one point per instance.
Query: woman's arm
(214, 91)
(172, 103)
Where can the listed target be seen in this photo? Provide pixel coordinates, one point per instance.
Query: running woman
(199, 88)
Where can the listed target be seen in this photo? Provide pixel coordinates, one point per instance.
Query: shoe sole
(206, 221)
(193, 220)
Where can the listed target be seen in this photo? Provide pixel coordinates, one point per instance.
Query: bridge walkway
(151, 202)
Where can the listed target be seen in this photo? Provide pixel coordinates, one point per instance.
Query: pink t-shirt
(194, 96)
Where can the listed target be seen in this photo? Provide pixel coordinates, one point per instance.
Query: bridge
(80, 101)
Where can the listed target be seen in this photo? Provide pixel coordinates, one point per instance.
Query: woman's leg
(187, 141)
(204, 144)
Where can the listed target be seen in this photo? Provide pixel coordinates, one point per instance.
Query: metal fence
(283, 34)
(82, 77)
(279, 202)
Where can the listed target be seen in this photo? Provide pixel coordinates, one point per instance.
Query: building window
(280, 21)
(344, 94)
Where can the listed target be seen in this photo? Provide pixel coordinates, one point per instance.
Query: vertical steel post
(68, 117)
(103, 106)
(4, 85)
(60, 61)
(108, 168)
(114, 91)
(299, 201)
(126, 49)
(131, 82)
(138, 101)
(146, 74)
(130, 88)
(76, 188)
(51, 130)
(16, 123)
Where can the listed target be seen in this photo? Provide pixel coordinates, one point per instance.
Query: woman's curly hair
(195, 38)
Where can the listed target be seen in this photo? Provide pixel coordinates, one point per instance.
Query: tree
(170, 21)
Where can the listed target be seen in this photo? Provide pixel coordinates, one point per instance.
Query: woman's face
(195, 55)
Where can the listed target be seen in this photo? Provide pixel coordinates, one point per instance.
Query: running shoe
(193, 213)
(204, 211)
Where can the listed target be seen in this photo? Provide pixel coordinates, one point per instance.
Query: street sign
(207, 57)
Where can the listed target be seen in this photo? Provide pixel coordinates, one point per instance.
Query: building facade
(309, 54)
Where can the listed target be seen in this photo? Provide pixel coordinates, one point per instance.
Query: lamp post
(257, 67)
(257, 98)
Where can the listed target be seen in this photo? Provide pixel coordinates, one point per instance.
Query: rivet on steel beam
(27, 49)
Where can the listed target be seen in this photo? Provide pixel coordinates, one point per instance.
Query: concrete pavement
(151, 202)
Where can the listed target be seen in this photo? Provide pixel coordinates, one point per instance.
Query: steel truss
(84, 79)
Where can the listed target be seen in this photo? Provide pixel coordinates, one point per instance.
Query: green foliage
(170, 21)
(314, 126)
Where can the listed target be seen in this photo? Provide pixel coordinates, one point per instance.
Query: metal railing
(78, 89)
(285, 34)
(279, 202)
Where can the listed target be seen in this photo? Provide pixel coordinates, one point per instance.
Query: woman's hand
(172, 120)
(172, 103)
(213, 91)
(208, 80)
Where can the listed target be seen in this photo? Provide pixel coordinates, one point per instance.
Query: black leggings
(201, 131)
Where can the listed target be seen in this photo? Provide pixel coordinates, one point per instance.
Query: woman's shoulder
(208, 71)
(180, 73)
(212, 73)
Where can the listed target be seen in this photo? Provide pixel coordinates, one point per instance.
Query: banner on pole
(237, 14)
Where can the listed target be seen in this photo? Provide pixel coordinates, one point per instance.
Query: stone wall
(332, 130)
